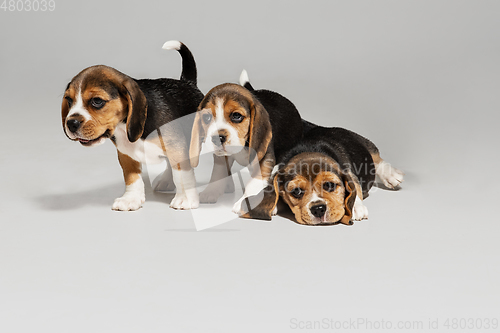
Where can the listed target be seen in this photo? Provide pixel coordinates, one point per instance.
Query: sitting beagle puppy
(247, 126)
(101, 102)
(325, 178)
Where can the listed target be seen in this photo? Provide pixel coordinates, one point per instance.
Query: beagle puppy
(247, 126)
(101, 102)
(325, 178)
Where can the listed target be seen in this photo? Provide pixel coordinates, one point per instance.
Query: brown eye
(297, 192)
(236, 117)
(207, 117)
(329, 186)
(69, 100)
(97, 102)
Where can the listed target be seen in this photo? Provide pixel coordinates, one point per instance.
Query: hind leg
(229, 184)
(390, 176)
(165, 181)
(229, 180)
(221, 180)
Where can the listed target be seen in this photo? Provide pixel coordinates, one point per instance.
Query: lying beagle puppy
(101, 102)
(325, 178)
(247, 126)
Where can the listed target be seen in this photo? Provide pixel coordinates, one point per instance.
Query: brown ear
(350, 198)
(64, 113)
(263, 210)
(197, 138)
(260, 133)
(137, 109)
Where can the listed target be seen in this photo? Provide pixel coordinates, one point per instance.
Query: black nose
(318, 210)
(219, 139)
(73, 125)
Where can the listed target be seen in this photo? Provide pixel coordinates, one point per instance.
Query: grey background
(419, 78)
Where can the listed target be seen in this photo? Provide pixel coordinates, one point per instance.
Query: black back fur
(352, 151)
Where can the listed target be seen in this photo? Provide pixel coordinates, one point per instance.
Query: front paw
(359, 211)
(185, 201)
(128, 202)
(237, 208)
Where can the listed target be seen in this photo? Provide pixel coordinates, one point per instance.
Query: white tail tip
(244, 78)
(172, 45)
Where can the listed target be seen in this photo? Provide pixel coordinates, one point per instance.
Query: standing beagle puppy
(325, 178)
(101, 102)
(247, 126)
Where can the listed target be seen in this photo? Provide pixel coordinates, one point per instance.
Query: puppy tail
(188, 64)
(245, 81)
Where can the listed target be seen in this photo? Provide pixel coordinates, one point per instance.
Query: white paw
(237, 207)
(390, 176)
(185, 201)
(211, 194)
(164, 183)
(275, 211)
(129, 202)
(359, 211)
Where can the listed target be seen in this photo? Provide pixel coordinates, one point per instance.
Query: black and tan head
(97, 100)
(230, 118)
(315, 188)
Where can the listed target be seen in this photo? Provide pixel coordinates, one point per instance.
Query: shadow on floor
(103, 196)
(205, 230)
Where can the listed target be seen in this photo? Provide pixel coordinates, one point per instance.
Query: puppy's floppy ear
(260, 132)
(263, 210)
(350, 197)
(197, 137)
(64, 112)
(137, 109)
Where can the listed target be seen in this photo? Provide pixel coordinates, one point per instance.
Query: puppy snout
(318, 210)
(219, 139)
(73, 125)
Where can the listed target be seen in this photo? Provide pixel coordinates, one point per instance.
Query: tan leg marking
(134, 197)
(131, 168)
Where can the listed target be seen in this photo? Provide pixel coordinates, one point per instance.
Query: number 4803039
(28, 5)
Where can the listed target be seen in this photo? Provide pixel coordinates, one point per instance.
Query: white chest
(141, 150)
